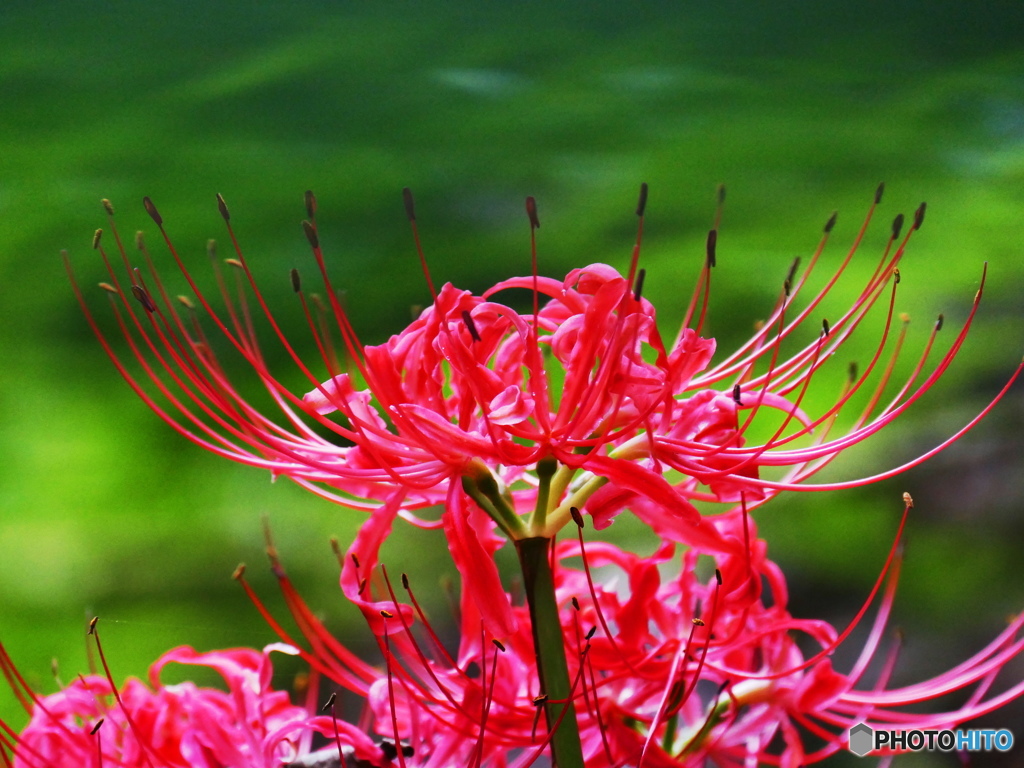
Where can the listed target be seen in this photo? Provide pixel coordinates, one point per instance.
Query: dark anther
(878, 193)
(97, 726)
(405, 581)
(498, 645)
(355, 560)
(92, 625)
(576, 516)
(736, 394)
(919, 215)
(824, 326)
(539, 700)
(852, 372)
(223, 207)
(639, 284)
(721, 193)
(410, 209)
(152, 211)
(310, 203)
(787, 286)
(718, 576)
(831, 221)
(896, 275)
(387, 614)
(897, 225)
(311, 235)
(792, 271)
(470, 325)
(712, 242)
(143, 298)
(697, 622)
(96, 238)
(642, 202)
(296, 281)
(575, 603)
(531, 211)
(591, 633)
(329, 703)
(938, 322)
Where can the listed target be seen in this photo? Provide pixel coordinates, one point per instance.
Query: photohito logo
(864, 739)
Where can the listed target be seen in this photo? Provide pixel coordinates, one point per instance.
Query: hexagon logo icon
(861, 739)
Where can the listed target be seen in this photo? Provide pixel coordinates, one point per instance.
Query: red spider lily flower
(669, 669)
(91, 723)
(579, 404)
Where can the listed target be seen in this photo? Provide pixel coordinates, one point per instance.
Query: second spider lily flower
(93, 723)
(532, 414)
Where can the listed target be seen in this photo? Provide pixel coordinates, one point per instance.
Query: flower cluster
(522, 426)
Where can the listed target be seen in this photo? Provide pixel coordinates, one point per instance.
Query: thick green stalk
(538, 580)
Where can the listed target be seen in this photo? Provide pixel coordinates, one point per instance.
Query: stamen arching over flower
(474, 394)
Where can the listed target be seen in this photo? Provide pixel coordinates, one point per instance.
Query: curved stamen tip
(239, 572)
(330, 702)
(296, 281)
(831, 221)
(638, 290)
(908, 500)
(919, 215)
(107, 206)
(711, 246)
(879, 191)
(310, 200)
(152, 211)
(576, 517)
(142, 296)
(897, 225)
(470, 325)
(311, 235)
(641, 204)
(96, 238)
(410, 209)
(92, 625)
(223, 207)
(531, 211)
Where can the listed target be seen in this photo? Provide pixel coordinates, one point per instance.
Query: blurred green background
(798, 108)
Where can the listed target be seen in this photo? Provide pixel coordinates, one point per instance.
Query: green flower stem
(538, 580)
(546, 468)
(561, 514)
(483, 489)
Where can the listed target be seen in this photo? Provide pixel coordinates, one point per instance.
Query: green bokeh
(799, 109)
